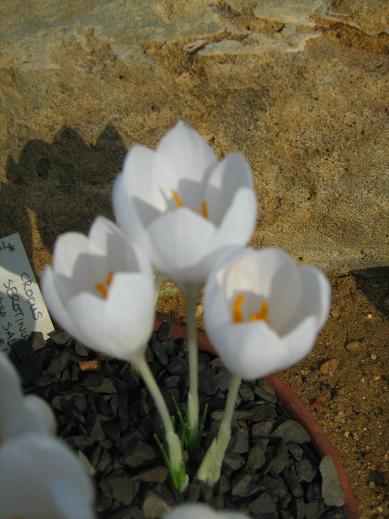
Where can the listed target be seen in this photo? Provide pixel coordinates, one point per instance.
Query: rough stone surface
(331, 490)
(297, 86)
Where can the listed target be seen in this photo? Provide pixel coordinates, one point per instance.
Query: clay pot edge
(298, 410)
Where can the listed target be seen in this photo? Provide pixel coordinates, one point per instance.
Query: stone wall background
(300, 87)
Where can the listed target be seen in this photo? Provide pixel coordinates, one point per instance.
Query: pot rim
(298, 410)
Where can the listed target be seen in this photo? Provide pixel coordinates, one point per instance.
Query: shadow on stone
(59, 186)
(374, 282)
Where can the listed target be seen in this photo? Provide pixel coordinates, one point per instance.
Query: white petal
(69, 504)
(42, 411)
(129, 315)
(189, 511)
(316, 293)
(87, 314)
(53, 298)
(28, 465)
(212, 261)
(180, 239)
(141, 176)
(22, 421)
(249, 350)
(314, 299)
(238, 223)
(78, 260)
(216, 309)
(224, 182)
(300, 341)
(128, 216)
(122, 255)
(254, 270)
(67, 250)
(190, 158)
(200, 511)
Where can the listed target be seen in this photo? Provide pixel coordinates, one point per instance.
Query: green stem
(176, 459)
(155, 392)
(210, 468)
(193, 397)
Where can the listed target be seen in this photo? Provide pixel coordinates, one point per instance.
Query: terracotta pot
(299, 411)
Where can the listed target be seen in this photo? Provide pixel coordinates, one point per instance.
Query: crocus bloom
(200, 511)
(20, 414)
(101, 290)
(263, 312)
(185, 209)
(40, 478)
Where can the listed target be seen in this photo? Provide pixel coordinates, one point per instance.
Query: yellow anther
(204, 209)
(179, 203)
(262, 314)
(237, 312)
(102, 288)
(177, 199)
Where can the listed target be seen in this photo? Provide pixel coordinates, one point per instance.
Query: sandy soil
(345, 380)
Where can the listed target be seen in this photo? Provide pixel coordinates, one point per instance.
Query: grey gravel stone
(267, 394)
(154, 506)
(239, 442)
(305, 471)
(121, 488)
(224, 484)
(292, 482)
(264, 507)
(80, 349)
(291, 431)
(142, 453)
(233, 462)
(262, 429)
(314, 509)
(155, 474)
(263, 412)
(295, 450)
(99, 384)
(331, 490)
(280, 460)
(243, 485)
(246, 393)
(256, 458)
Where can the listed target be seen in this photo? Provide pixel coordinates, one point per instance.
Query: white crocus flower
(263, 312)
(200, 511)
(40, 478)
(188, 212)
(20, 414)
(100, 289)
(183, 207)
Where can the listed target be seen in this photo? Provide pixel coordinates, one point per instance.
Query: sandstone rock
(296, 86)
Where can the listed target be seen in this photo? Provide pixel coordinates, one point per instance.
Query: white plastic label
(22, 308)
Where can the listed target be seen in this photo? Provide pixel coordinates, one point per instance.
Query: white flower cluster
(40, 478)
(189, 217)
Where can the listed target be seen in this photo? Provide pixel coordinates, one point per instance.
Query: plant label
(22, 308)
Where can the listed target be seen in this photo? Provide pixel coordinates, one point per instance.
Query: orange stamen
(262, 314)
(204, 209)
(102, 288)
(177, 199)
(237, 312)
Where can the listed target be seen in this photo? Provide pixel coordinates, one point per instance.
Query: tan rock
(299, 94)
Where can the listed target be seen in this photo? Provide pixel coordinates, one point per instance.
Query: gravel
(271, 469)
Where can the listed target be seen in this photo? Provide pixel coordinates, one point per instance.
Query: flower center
(237, 311)
(179, 203)
(102, 288)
